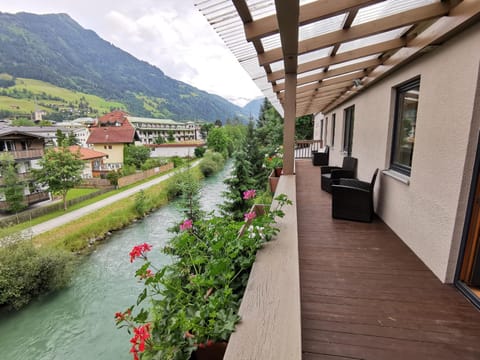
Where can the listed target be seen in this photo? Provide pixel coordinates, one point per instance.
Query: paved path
(76, 214)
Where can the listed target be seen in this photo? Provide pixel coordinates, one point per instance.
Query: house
(93, 161)
(112, 132)
(26, 148)
(395, 84)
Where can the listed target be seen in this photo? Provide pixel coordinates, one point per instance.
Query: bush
(177, 161)
(153, 163)
(199, 151)
(208, 167)
(128, 170)
(212, 162)
(26, 272)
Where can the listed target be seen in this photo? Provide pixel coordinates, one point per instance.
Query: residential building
(92, 159)
(110, 136)
(26, 148)
(151, 130)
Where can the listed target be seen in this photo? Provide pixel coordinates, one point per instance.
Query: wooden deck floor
(365, 295)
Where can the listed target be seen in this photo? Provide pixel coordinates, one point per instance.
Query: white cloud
(169, 34)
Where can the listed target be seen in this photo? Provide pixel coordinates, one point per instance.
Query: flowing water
(78, 323)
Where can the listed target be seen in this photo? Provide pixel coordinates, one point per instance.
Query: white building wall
(181, 151)
(427, 213)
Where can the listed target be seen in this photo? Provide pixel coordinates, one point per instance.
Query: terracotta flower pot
(213, 352)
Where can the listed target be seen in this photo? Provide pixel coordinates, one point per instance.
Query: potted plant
(194, 300)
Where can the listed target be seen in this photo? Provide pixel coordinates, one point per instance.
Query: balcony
(27, 154)
(348, 291)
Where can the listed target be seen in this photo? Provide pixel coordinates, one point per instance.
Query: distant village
(100, 143)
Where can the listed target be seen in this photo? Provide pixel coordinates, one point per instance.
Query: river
(78, 323)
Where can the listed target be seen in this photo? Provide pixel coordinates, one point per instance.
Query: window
(348, 130)
(321, 129)
(406, 105)
(326, 131)
(110, 147)
(333, 129)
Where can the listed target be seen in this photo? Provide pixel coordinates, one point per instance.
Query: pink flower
(249, 194)
(187, 224)
(250, 216)
(139, 251)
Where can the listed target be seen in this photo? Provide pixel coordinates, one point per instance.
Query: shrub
(208, 167)
(153, 163)
(26, 272)
(128, 170)
(199, 151)
(140, 205)
(177, 161)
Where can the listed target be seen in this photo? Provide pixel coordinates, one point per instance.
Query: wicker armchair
(320, 158)
(353, 199)
(331, 174)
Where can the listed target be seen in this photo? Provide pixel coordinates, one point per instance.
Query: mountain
(55, 49)
(253, 108)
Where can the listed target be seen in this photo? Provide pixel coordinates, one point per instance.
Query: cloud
(169, 34)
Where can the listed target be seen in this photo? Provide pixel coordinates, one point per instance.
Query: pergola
(310, 56)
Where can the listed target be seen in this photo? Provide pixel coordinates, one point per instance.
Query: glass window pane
(405, 122)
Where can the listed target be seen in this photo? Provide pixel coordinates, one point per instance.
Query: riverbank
(78, 322)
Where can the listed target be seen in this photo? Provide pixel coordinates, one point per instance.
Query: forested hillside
(55, 49)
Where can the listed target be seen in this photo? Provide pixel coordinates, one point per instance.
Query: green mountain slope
(55, 49)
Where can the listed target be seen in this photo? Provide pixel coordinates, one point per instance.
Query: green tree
(259, 172)
(60, 137)
(60, 170)
(170, 137)
(269, 128)
(304, 127)
(160, 140)
(23, 122)
(12, 186)
(136, 155)
(72, 139)
(239, 181)
(217, 141)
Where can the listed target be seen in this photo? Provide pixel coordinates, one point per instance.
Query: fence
(43, 210)
(304, 148)
(130, 179)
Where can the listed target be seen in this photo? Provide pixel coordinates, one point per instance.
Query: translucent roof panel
(387, 8)
(321, 27)
(278, 65)
(313, 55)
(374, 39)
(271, 42)
(354, 61)
(261, 8)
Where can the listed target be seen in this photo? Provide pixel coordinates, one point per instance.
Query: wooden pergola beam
(308, 13)
(331, 73)
(343, 57)
(461, 15)
(374, 27)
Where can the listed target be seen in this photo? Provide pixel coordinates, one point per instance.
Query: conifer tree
(240, 181)
(259, 172)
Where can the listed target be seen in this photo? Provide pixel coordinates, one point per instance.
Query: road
(76, 214)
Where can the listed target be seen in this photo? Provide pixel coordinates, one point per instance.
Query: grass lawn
(75, 193)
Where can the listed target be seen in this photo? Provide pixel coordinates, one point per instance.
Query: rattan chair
(331, 174)
(320, 158)
(353, 199)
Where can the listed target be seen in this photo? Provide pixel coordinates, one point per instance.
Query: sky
(170, 34)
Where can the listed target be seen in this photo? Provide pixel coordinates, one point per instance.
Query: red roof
(85, 153)
(112, 135)
(116, 116)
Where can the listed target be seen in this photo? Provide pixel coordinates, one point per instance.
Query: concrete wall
(427, 209)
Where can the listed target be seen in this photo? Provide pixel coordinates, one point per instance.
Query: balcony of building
(337, 289)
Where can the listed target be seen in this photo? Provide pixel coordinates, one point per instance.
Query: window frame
(400, 90)
(333, 129)
(348, 124)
